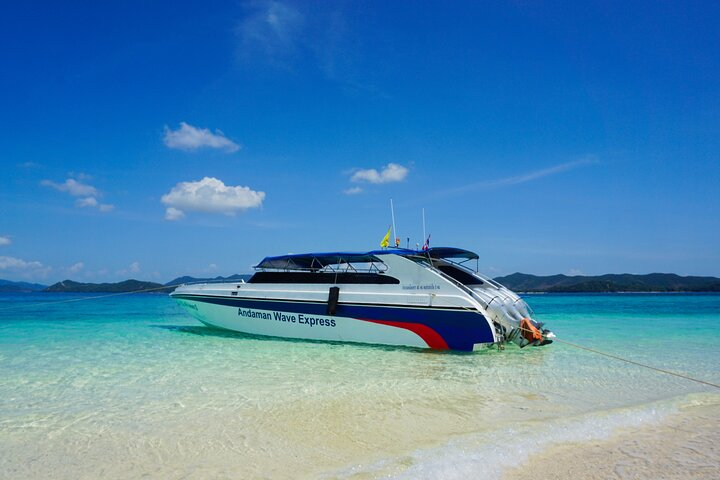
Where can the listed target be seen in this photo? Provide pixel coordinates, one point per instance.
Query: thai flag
(427, 243)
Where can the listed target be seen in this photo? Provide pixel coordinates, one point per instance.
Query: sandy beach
(686, 445)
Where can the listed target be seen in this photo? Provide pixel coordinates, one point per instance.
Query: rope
(38, 304)
(616, 357)
(633, 362)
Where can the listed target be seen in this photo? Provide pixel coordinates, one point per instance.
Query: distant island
(610, 283)
(21, 287)
(520, 282)
(134, 285)
(119, 287)
(186, 279)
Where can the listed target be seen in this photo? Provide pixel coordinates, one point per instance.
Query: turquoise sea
(131, 386)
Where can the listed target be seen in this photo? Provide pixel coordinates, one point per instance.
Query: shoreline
(683, 445)
(540, 449)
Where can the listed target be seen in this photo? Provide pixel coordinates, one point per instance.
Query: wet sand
(684, 446)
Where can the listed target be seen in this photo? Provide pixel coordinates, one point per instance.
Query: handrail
(467, 290)
(327, 268)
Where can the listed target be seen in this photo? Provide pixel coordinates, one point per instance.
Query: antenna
(392, 212)
(426, 240)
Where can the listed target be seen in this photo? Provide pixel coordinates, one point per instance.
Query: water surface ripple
(125, 387)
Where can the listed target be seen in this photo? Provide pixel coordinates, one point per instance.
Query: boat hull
(423, 327)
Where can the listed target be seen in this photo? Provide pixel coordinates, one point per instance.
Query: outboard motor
(508, 310)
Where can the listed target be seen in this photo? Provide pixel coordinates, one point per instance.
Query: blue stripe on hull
(460, 329)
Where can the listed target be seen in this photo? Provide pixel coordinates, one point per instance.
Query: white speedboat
(419, 298)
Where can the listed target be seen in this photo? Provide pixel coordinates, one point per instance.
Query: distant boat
(418, 298)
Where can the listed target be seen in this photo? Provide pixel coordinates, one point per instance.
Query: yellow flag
(386, 239)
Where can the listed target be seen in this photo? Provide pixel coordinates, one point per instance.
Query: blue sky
(152, 141)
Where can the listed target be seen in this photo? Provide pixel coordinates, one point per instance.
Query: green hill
(521, 282)
(188, 279)
(653, 282)
(126, 286)
(10, 286)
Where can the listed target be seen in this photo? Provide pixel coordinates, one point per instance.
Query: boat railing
(334, 268)
(469, 291)
(211, 282)
(501, 292)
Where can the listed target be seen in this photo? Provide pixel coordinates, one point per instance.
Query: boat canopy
(451, 252)
(317, 261)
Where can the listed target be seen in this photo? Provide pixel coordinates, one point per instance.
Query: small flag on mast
(386, 239)
(427, 243)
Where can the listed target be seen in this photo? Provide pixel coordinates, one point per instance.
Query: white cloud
(290, 35)
(174, 214)
(188, 137)
(18, 266)
(272, 29)
(563, 167)
(12, 262)
(353, 191)
(133, 268)
(76, 267)
(517, 179)
(86, 202)
(527, 177)
(209, 195)
(92, 202)
(80, 176)
(5, 241)
(392, 172)
(73, 187)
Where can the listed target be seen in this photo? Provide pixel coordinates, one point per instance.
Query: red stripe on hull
(429, 336)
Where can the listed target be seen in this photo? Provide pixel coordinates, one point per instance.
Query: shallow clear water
(130, 386)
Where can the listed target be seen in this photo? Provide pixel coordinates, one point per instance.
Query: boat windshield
(462, 275)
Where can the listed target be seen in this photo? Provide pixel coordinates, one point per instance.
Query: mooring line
(55, 302)
(633, 362)
(610, 355)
